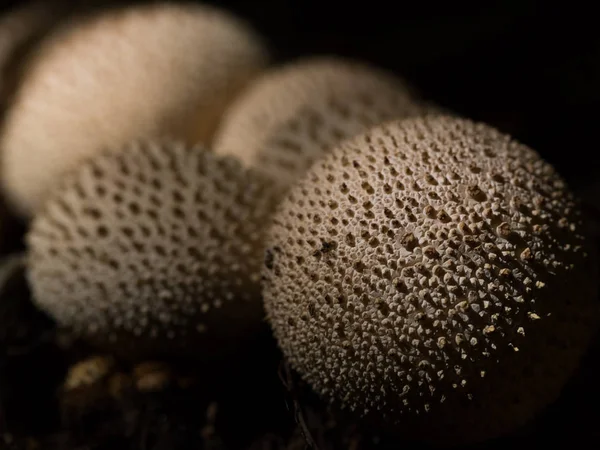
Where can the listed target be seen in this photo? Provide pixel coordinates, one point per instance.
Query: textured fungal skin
(144, 71)
(292, 115)
(432, 275)
(156, 249)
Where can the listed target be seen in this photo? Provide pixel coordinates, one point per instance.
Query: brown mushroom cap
(144, 71)
(292, 115)
(153, 250)
(432, 275)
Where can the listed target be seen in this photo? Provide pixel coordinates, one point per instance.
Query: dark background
(528, 68)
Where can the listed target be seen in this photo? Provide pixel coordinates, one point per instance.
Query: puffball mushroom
(432, 276)
(140, 72)
(153, 250)
(291, 115)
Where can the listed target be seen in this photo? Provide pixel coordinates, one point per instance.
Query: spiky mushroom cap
(432, 275)
(138, 72)
(153, 250)
(293, 114)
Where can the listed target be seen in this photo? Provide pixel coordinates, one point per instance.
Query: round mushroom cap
(153, 250)
(292, 115)
(432, 276)
(140, 72)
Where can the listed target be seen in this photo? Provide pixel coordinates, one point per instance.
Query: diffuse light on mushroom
(291, 115)
(144, 71)
(153, 250)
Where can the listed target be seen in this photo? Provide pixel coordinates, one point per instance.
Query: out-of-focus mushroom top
(144, 71)
(293, 114)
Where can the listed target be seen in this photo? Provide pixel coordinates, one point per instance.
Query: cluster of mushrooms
(426, 272)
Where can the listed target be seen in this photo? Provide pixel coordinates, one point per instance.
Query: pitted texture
(432, 274)
(135, 73)
(292, 115)
(154, 248)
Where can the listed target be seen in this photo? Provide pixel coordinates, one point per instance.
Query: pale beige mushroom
(160, 69)
(291, 115)
(155, 250)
